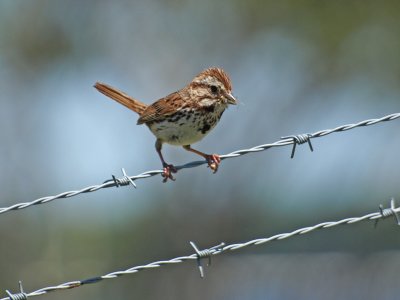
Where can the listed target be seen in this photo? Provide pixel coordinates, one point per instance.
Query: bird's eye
(214, 89)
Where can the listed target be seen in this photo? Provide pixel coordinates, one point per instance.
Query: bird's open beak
(230, 99)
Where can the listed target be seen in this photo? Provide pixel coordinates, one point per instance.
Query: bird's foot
(213, 161)
(167, 172)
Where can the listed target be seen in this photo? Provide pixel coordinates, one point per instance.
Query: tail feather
(115, 94)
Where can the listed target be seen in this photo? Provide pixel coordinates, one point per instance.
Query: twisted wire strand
(127, 179)
(221, 248)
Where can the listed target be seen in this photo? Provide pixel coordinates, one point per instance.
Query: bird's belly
(184, 130)
(177, 135)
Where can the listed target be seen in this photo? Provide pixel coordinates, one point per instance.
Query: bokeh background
(296, 67)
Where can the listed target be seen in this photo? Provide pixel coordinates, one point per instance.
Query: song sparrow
(183, 117)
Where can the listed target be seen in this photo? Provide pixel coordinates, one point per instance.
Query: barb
(299, 139)
(19, 296)
(387, 212)
(291, 140)
(221, 248)
(204, 254)
(125, 180)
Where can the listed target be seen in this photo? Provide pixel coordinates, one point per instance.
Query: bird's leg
(213, 160)
(167, 168)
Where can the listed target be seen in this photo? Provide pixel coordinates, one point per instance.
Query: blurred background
(296, 67)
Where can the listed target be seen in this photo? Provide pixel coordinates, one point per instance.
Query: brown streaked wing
(161, 108)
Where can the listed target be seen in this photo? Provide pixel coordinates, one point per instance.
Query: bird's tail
(115, 94)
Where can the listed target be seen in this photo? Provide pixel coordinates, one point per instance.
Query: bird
(184, 117)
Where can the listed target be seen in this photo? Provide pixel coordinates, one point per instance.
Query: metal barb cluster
(18, 296)
(388, 212)
(207, 253)
(299, 139)
(289, 140)
(125, 180)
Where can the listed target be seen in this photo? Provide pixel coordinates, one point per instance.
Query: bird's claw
(167, 172)
(213, 161)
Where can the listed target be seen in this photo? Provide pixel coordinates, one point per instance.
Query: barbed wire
(207, 253)
(127, 180)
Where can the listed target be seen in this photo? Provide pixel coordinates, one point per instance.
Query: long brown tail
(131, 103)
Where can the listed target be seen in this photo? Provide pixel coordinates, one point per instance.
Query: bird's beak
(230, 99)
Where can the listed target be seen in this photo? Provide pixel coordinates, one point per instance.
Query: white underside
(188, 133)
